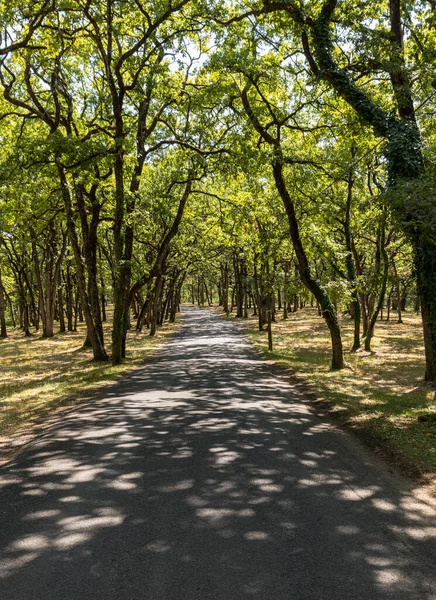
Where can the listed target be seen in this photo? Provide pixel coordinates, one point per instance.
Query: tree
(401, 131)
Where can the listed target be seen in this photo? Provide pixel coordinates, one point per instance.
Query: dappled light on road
(204, 476)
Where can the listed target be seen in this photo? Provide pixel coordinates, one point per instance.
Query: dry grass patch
(381, 395)
(39, 378)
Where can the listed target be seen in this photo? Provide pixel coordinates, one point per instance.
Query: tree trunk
(269, 327)
(143, 313)
(103, 307)
(244, 289)
(156, 296)
(69, 300)
(99, 352)
(178, 292)
(26, 325)
(398, 293)
(404, 155)
(90, 249)
(388, 316)
(225, 287)
(121, 258)
(351, 270)
(61, 311)
(285, 291)
(385, 261)
(3, 331)
(239, 286)
(313, 285)
(11, 308)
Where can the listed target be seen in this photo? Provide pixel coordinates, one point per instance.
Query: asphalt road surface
(203, 476)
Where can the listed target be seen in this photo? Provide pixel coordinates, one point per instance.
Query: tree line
(278, 152)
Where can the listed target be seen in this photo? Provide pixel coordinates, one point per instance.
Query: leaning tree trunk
(327, 308)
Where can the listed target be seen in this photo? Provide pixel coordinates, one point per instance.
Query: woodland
(269, 156)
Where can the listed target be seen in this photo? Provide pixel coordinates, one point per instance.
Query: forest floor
(42, 378)
(380, 395)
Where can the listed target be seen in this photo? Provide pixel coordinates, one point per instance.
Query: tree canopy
(279, 153)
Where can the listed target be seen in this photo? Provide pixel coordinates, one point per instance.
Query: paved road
(205, 477)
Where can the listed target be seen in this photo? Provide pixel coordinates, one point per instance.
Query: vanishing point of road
(204, 476)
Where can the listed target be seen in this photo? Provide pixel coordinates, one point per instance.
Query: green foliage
(130, 103)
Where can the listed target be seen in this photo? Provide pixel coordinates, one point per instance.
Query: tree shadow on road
(203, 476)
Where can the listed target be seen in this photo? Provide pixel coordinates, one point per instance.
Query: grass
(380, 395)
(39, 378)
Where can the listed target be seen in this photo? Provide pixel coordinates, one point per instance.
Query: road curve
(203, 476)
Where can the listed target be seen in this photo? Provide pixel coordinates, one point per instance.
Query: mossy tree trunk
(403, 152)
